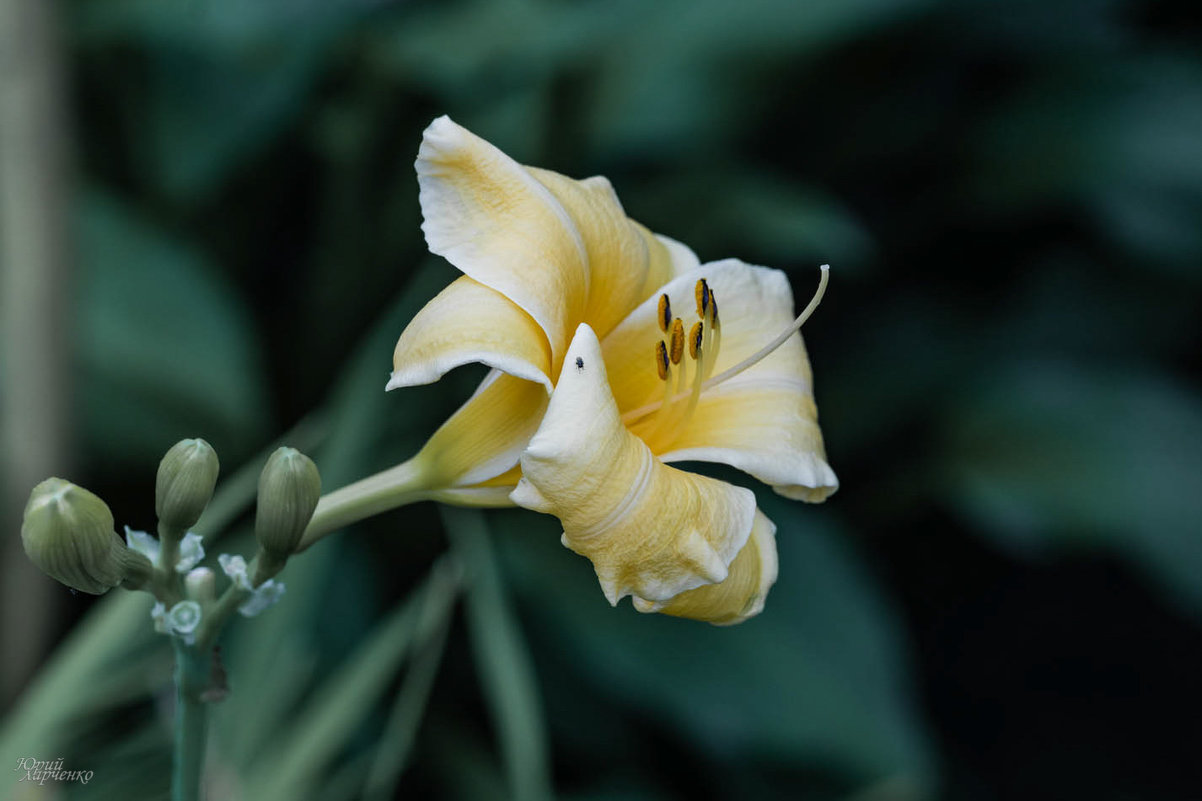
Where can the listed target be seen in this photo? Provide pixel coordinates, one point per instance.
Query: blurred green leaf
(400, 733)
(671, 76)
(300, 753)
(818, 681)
(205, 114)
(502, 661)
(1120, 139)
(167, 348)
(1048, 454)
(214, 24)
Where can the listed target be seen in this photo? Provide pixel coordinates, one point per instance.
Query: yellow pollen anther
(665, 313)
(714, 310)
(676, 350)
(702, 292)
(695, 334)
(661, 360)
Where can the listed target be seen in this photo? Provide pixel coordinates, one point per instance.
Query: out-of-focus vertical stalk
(35, 247)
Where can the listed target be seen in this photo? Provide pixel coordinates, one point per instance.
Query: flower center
(685, 379)
(682, 376)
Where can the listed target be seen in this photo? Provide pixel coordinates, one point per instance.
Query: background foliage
(1001, 602)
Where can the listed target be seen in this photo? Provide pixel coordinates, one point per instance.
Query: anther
(676, 349)
(695, 334)
(665, 313)
(661, 360)
(702, 293)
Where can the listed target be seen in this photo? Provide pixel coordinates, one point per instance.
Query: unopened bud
(200, 584)
(289, 487)
(187, 476)
(68, 533)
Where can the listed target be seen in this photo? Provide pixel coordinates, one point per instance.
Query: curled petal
(650, 530)
(468, 322)
(488, 216)
(741, 595)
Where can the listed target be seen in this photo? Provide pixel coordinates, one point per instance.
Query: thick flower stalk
(610, 361)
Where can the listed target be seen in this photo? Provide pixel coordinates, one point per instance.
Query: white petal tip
(612, 592)
(645, 606)
(527, 496)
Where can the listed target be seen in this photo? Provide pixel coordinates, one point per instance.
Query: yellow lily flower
(597, 384)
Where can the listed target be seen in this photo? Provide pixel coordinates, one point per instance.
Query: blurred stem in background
(34, 287)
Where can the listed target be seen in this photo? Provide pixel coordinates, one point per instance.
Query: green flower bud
(289, 487)
(68, 533)
(187, 476)
(200, 584)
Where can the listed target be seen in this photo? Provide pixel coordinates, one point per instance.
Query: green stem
(193, 671)
(408, 482)
(214, 618)
(168, 548)
(390, 489)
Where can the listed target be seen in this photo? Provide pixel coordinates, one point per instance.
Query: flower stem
(394, 487)
(193, 670)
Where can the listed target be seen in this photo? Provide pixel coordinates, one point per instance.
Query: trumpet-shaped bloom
(610, 361)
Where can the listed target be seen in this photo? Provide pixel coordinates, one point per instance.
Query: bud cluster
(68, 532)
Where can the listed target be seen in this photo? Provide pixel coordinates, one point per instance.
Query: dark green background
(1003, 599)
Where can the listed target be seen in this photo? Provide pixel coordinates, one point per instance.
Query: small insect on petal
(579, 363)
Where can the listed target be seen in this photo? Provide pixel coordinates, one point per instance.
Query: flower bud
(200, 584)
(289, 487)
(68, 533)
(187, 476)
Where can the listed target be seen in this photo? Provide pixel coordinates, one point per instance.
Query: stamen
(665, 313)
(702, 292)
(661, 360)
(665, 420)
(637, 414)
(699, 351)
(714, 346)
(676, 350)
(695, 340)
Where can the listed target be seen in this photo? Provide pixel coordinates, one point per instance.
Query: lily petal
(742, 595)
(768, 429)
(485, 437)
(764, 420)
(649, 529)
(626, 261)
(469, 322)
(669, 259)
(488, 216)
